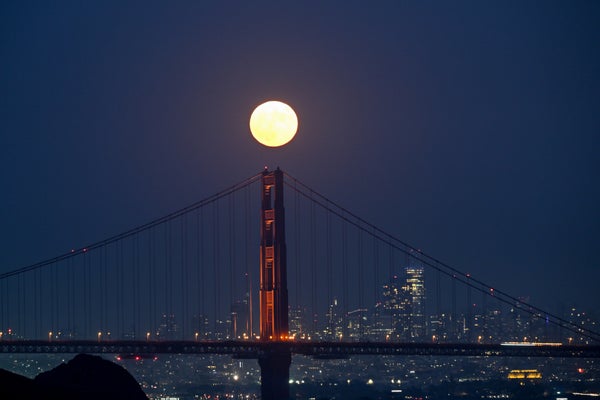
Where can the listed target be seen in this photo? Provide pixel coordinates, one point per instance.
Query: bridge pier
(275, 374)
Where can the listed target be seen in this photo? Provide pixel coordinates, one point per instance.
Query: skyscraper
(404, 301)
(396, 304)
(416, 292)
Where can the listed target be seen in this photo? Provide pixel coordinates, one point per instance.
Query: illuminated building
(168, 327)
(416, 293)
(297, 323)
(357, 324)
(396, 304)
(404, 301)
(524, 374)
(334, 327)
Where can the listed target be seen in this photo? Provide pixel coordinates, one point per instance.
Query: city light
(531, 344)
(524, 374)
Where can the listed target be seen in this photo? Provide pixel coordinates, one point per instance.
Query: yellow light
(524, 374)
(273, 123)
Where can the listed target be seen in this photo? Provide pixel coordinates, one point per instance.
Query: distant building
(404, 302)
(297, 323)
(416, 292)
(396, 303)
(240, 320)
(523, 374)
(334, 327)
(168, 327)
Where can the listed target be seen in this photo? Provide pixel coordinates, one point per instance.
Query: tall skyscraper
(404, 301)
(416, 292)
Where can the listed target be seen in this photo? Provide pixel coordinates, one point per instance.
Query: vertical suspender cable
(297, 246)
(313, 264)
(469, 309)
(454, 317)
(170, 252)
(483, 313)
(329, 266)
(230, 262)
(166, 312)
(120, 305)
(438, 293)
(19, 305)
(103, 294)
(152, 282)
(36, 316)
(376, 279)
(187, 272)
(346, 277)
(215, 267)
(84, 304)
(182, 293)
(248, 264)
(361, 283)
(389, 279)
(199, 269)
(135, 279)
(71, 298)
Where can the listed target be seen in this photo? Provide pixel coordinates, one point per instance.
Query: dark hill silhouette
(18, 387)
(84, 377)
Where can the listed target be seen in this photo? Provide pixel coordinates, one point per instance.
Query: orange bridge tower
(275, 362)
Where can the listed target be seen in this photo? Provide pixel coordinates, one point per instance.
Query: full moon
(273, 123)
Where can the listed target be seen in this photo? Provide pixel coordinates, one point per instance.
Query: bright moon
(273, 123)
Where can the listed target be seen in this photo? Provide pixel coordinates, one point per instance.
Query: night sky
(470, 130)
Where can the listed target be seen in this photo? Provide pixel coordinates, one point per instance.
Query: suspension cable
(432, 262)
(136, 230)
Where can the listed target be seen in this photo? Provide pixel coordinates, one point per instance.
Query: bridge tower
(276, 360)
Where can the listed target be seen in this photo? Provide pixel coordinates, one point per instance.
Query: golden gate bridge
(187, 283)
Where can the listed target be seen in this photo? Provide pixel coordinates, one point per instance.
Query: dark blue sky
(468, 129)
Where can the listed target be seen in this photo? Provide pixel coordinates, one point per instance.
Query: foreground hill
(84, 377)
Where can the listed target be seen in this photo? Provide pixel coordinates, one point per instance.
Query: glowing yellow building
(524, 374)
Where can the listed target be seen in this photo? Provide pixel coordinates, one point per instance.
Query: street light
(99, 336)
(50, 336)
(147, 336)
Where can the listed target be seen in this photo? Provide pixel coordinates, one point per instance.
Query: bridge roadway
(255, 349)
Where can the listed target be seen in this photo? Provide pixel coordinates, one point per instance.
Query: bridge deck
(254, 349)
